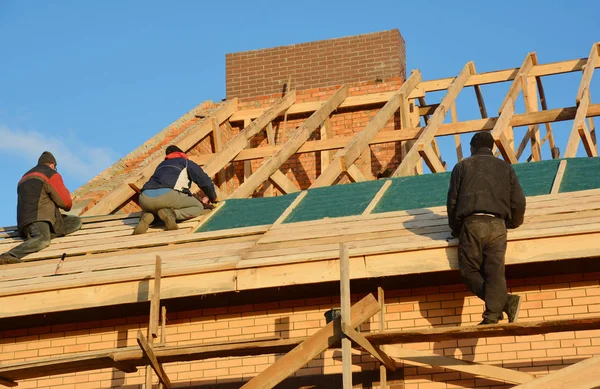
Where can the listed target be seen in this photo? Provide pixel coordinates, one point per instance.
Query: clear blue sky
(92, 80)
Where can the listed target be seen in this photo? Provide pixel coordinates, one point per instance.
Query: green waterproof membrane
(335, 201)
(413, 192)
(581, 174)
(238, 213)
(536, 178)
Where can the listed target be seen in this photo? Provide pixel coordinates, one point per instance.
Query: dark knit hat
(482, 139)
(47, 157)
(173, 149)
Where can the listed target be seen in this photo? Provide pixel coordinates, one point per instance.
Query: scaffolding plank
(581, 375)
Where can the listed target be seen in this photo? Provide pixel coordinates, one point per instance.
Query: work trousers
(184, 206)
(481, 250)
(39, 234)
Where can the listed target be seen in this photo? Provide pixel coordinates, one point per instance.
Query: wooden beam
(377, 197)
(544, 102)
(349, 154)
(217, 137)
(480, 101)
(581, 375)
(163, 325)
(154, 363)
(313, 346)
(459, 151)
(269, 166)
(531, 105)
(498, 132)
(238, 142)
(380, 355)
(583, 100)
(432, 159)
(155, 302)
(345, 307)
(7, 382)
(284, 184)
(355, 174)
(247, 164)
(560, 172)
(517, 86)
(488, 371)
(381, 300)
(187, 140)
(409, 162)
(326, 133)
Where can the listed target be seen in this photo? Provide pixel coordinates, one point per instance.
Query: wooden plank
(326, 155)
(549, 134)
(272, 164)
(355, 174)
(238, 142)
(381, 300)
(499, 129)
(284, 184)
(156, 365)
(560, 172)
(581, 375)
(313, 346)
(290, 208)
(516, 86)
(185, 141)
(163, 325)
(345, 308)
(379, 354)
(480, 101)
(349, 154)
(588, 71)
(488, 371)
(155, 302)
(7, 382)
(217, 137)
(531, 105)
(432, 159)
(409, 162)
(377, 197)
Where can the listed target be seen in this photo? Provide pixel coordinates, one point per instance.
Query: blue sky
(91, 81)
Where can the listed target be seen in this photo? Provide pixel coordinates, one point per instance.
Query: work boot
(512, 307)
(488, 321)
(7, 259)
(168, 216)
(145, 220)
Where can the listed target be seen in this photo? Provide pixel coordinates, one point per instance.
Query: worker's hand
(204, 200)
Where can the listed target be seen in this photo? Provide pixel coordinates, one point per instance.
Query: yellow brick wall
(562, 296)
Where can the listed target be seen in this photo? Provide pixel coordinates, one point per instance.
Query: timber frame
(419, 142)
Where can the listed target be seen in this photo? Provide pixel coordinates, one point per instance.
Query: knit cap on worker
(482, 139)
(47, 157)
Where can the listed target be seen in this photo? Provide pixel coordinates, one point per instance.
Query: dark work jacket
(483, 183)
(177, 172)
(41, 192)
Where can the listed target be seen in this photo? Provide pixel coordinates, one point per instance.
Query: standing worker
(484, 199)
(41, 194)
(167, 193)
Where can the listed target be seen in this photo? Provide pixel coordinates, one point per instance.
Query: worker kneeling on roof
(41, 195)
(167, 193)
(484, 198)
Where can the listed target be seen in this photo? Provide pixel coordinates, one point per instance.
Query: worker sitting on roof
(168, 195)
(484, 198)
(41, 193)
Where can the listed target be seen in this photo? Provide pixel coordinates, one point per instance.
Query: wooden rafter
(272, 164)
(499, 132)
(284, 184)
(580, 129)
(423, 143)
(238, 142)
(346, 157)
(123, 191)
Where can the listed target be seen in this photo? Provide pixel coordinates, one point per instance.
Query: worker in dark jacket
(167, 193)
(41, 193)
(484, 199)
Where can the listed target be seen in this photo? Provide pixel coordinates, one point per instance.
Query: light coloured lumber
(457, 143)
(516, 86)
(247, 164)
(345, 316)
(560, 172)
(426, 136)
(156, 365)
(313, 346)
(381, 300)
(185, 141)
(284, 184)
(544, 103)
(501, 126)
(217, 138)
(290, 208)
(581, 375)
(355, 174)
(326, 133)
(269, 166)
(360, 141)
(163, 325)
(580, 131)
(480, 101)
(531, 105)
(376, 352)
(269, 190)
(427, 358)
(407, 134)
(583, 100)
(432, 159)
(155, 302)
(378, 196)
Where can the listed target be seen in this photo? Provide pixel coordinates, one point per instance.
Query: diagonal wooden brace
(367, 346)
(156, 365)
(7, 382)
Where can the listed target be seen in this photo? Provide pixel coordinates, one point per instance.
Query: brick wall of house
(366, 57)
(545, 298)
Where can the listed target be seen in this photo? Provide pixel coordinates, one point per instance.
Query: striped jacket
(41, 193)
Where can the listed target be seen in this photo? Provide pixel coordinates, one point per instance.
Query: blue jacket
(177, 172)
